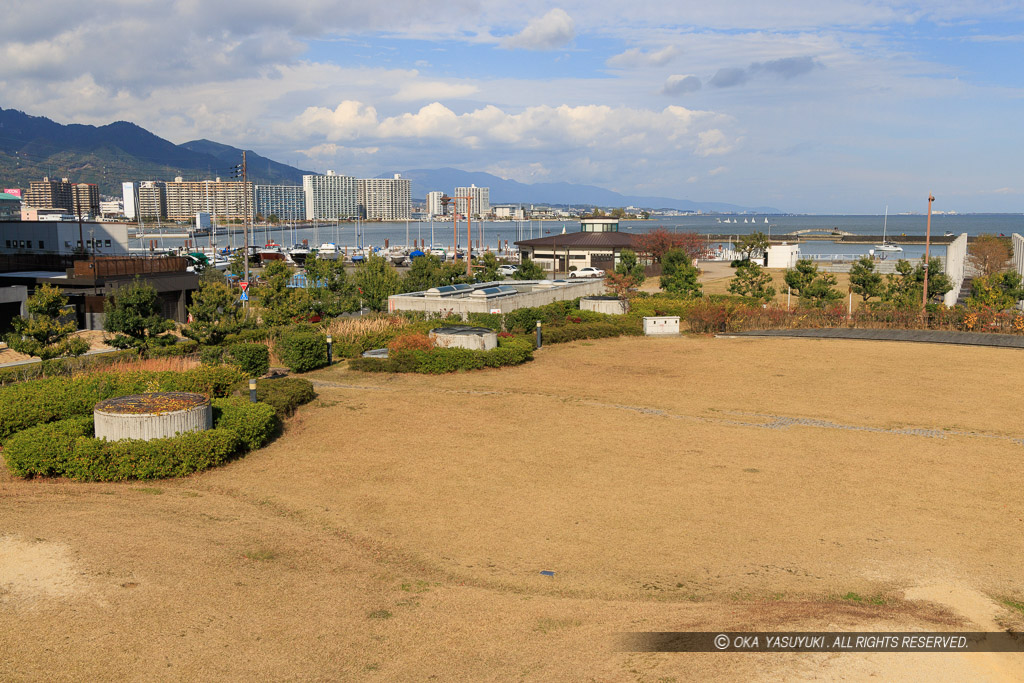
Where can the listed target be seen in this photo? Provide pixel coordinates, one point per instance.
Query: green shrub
(493, 321)
(36, 402)
(439, 361)
(67, 448)
(254, 423)
(253, 359)
(285, 394)
(211, 355)
(302, 350)
(182, 347)
(595, 330)
(44, 450)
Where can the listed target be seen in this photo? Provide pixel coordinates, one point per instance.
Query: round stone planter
(152, 416)
(603, 304)
(465, 337)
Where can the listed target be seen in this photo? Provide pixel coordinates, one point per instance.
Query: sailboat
(887, 246)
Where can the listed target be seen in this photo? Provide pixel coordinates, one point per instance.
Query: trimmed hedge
(252, 358)
(595, 330)
(44, 450)
(285, 394)
(67, 448)
(441, 360)
(254, 423)
(28, 404)
(302, 350)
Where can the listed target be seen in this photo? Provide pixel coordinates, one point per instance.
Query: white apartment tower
(385, 199)
(481, 200)
(434, 205)
(330, 196)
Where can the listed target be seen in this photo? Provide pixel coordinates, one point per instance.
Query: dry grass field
(398, 529)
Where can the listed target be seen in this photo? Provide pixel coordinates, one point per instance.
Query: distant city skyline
(815, 107)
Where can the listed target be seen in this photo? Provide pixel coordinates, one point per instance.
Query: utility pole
(927, 243)
(242, 170)
(469, 231)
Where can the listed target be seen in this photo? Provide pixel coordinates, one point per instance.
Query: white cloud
(553, 30)
(597, 127)
(717, 171)
(635, 57)
(433, 90)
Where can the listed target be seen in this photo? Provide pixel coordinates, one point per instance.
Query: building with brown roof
(598, 243)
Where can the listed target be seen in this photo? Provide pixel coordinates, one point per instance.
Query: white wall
(955, 266)
(1018, 259)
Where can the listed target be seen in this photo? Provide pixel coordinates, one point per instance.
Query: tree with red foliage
(656, 242)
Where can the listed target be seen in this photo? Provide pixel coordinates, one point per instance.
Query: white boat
(327, 250)
(297, 254)
(886, 246)
(765, 219)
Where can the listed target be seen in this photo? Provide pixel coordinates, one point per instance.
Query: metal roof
(607, 240)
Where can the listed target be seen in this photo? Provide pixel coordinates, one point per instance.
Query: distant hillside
(34, 146)
(510, 191)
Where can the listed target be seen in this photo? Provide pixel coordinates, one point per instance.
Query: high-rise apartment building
(152, 200)
(287, 202)
(85, 199)
(385, 199)
(434, 205)
(330, 196)
(481, 200)
(223, 200)
(50, 194)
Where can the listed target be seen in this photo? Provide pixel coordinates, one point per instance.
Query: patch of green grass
(416, 586)
(379, 614)
(549, 624)
(1013, 604)
(150, 491)
(260, 555)
(856, 597)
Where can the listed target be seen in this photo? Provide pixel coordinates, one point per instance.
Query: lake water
(496, 233)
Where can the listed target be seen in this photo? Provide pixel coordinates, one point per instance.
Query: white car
(508, 270)
(589, 271)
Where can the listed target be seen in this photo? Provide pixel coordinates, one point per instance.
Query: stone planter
(603, 304)
(152, 416)
(465, 337)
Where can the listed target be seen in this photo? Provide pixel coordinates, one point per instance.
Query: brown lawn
(398, 529)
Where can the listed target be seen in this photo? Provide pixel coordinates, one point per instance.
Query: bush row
(68, 448)
(615, 327)
(284, 394)
(28, 404)
(440, 360)
(252, 358)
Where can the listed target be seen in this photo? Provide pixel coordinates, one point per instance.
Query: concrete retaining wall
(661, 324)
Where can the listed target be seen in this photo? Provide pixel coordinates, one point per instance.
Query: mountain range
(34, 146)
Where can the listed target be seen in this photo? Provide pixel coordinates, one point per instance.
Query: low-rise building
(598, 243)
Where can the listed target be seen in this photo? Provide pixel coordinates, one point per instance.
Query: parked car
(589, 271)
(508, 270)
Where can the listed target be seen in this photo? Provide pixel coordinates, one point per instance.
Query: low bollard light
(538, 335)
(252, 391)
(330, 348)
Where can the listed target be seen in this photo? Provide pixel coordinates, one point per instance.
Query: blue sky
(808, 106)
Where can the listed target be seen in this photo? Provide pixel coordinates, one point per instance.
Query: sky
(814, 106)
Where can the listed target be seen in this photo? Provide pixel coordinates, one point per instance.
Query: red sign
(243, 285)
(13, 191)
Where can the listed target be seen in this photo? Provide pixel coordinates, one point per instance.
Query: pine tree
(135, 315)
(41, 333)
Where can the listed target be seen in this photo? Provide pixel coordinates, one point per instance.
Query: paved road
(928, 336)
